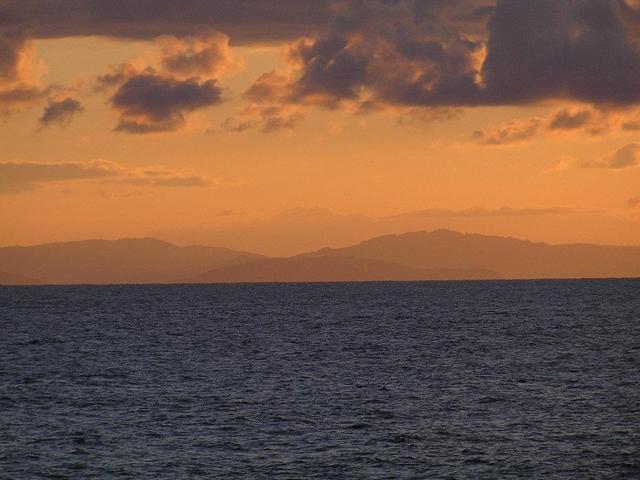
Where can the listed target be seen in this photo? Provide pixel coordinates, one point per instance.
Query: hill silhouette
(438, 255)
(13, 279)
(119, 261)
(511, 257)
(333, 269)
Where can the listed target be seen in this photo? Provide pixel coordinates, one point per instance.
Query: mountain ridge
(334, 269)
(420, 255)
(122, 261)
(511, 257)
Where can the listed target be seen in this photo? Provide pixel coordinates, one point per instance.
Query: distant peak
(141, 240)
(102, 241)
(122, 241)
(441, 232)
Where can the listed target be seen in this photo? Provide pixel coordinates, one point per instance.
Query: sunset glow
(200, 125)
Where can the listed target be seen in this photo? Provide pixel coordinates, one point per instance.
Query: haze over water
(474, 380)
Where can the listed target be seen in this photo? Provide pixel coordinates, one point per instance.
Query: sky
(289, 125)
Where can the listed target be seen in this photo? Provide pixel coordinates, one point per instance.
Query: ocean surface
(440, 380)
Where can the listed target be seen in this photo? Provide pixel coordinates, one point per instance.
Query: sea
(424, 380)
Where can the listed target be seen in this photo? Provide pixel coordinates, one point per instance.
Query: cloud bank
(478, 212)
(17, 177)
(394, 54)
(362, 56)
(584, 120)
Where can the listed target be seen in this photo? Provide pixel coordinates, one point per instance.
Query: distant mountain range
(143, 260)
(510, 257)
(335, 269)
(438, 255)
(13, 279)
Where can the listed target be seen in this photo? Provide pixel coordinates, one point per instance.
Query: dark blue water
(473, 380)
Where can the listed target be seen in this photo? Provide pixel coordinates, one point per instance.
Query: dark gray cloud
(12, 45)
(567, 120)
(276, 123)
(60, 112)
(246, 21)
(389, 53)
(16, 177)
(592, 121)
(231, 125)
(332, 72)
(17, 89)
(269, 105)
(149, 102)
(21, 95)
(267, 122)
(385, 53)
(561, 49)
(381, 53)
(626, 157)
(498, 212)
(513, 132)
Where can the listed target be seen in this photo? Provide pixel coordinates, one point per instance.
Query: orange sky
(219, 177)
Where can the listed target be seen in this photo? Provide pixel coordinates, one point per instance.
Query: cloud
(16, 177)
(509, 133)
(182, 181)
(582, 120)
(394, 55)
(21, 96)
(368, 55)
(499, 212)
(271, 86)
(19, 64)
(560, 165)
(206, 54)
(60, 112)
(626, 157)
(165, 178)
(247, 22)
(275, 123)
(19, 71)
(232, 126)
(267, 106)
(13, 53)
(566, 119)
(149, 102)
(560, 49)
(116, 76)
(158, 98)
(385, 54)
(331, 72)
